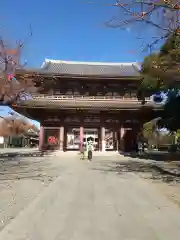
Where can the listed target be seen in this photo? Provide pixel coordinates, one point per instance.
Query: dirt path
(104, 199)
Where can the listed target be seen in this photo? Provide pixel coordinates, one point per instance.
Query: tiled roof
(91, 68)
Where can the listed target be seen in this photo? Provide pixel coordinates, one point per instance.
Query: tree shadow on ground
(16, 166)
(155, 155)
(146, 170)
(11, 155)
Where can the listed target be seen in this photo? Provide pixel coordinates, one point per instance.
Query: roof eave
(58, 75)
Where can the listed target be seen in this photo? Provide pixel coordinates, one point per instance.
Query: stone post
(81, 138)
(61, 138)
(103, 143)
(121, 141)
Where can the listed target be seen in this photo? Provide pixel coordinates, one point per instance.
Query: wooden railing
(85, 98)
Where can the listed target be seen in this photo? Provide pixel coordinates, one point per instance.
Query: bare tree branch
(160, 15)
(10, 56)
(15, 126)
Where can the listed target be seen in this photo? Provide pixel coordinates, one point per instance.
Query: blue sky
(69, 30)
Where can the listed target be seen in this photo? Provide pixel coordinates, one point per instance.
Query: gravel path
(103, 199)
(22, 178)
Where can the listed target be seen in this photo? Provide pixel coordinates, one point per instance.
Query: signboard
(52, 140)
(159, 98)
(25, 96)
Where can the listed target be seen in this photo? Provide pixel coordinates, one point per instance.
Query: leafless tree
(160, 17)
(10, 57)
(10, 127)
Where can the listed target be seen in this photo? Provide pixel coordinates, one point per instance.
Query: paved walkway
(90, 201)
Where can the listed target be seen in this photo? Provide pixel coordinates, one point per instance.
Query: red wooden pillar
(41, 138)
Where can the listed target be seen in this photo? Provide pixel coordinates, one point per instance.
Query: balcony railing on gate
(85, 98)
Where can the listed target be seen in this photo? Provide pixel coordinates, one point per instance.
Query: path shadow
(16, 166)
(155, 155)
(146, 169)
(12, 155)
